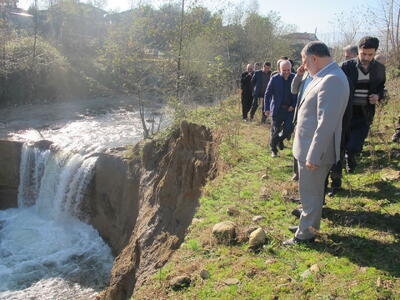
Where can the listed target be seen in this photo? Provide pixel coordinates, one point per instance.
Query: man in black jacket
(367, 83)
(247, 90)
(260, 82)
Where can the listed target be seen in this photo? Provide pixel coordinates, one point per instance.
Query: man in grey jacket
(318, 132)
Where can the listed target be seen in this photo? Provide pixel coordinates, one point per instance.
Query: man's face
(366, 55)
(267, 69)
(309, 62)
(285, 70)
(348, 55)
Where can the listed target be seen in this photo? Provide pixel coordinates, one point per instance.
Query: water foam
(45, 248)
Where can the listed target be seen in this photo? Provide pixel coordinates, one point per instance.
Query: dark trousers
(335, 172)
(247, 100)
(359, 128)
(254, 107)
(282, 127)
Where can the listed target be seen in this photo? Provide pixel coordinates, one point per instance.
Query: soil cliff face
(10, 156)
(144, 211)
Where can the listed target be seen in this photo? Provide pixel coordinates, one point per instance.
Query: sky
(307, 15)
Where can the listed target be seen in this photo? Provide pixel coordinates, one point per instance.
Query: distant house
(8, 4)
(301, 38)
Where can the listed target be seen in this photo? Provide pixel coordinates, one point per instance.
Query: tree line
(180, 51)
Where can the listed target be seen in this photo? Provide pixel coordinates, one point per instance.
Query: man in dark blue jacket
(280, 102)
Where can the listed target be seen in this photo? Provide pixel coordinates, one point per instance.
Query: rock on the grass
(258, 218)
(232, 211)
(257, 238)
(180, 282)
(307, 273)
(314, 268)
(232, 281)
(225, 232)
(204, 274)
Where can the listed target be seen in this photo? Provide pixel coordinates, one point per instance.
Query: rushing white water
(46, 251)
(93, 134)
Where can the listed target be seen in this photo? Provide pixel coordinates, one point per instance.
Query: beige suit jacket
(319, 117)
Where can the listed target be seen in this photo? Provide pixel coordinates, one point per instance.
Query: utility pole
(35, 31)
(178, 75)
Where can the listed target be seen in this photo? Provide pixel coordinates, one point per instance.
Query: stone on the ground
(225, 232)
(250, 230)
(232, 211)
(232, 281)
(270, 261)
(204, 274)
(257, 238)
(258, 218)
(314, 268)
(307, 273)
(264, 193)
(180, 282)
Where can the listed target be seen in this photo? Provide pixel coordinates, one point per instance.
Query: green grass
(358, 247)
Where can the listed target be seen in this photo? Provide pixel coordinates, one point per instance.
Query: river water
(47, 251)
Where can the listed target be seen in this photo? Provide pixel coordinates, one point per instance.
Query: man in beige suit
(317, 138)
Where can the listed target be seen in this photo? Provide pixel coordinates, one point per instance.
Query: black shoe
(293, 228)
(297, 212)
(396, 136)
(351, 163)
(281, 145)
(334, 191)
(294, 200)
(296, 241)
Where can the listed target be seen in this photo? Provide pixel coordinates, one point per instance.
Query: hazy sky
(307, 15)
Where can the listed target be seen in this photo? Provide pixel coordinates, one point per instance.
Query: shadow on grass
(373, 220)
(384, 190)
(380, 158)
(363, 252)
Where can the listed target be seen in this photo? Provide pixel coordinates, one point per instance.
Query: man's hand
(301, 70)
(373, 98)
(311, 166)
(290, 109)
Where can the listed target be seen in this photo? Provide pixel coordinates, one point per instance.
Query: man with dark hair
(260, 81)
(367, 85)
(280, 102)
(350, 52)
(247, 90)
(316, 146)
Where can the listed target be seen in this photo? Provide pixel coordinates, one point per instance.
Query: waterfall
(46, 250)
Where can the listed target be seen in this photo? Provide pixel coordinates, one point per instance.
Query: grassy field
(357, 251)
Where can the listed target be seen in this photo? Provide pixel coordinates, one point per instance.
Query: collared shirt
(324, 68)
(306, 83)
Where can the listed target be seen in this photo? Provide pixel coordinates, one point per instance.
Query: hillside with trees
(73, 49)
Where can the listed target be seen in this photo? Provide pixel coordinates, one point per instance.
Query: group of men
(329, 107)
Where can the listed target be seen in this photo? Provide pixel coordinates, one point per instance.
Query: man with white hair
(280, 102)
